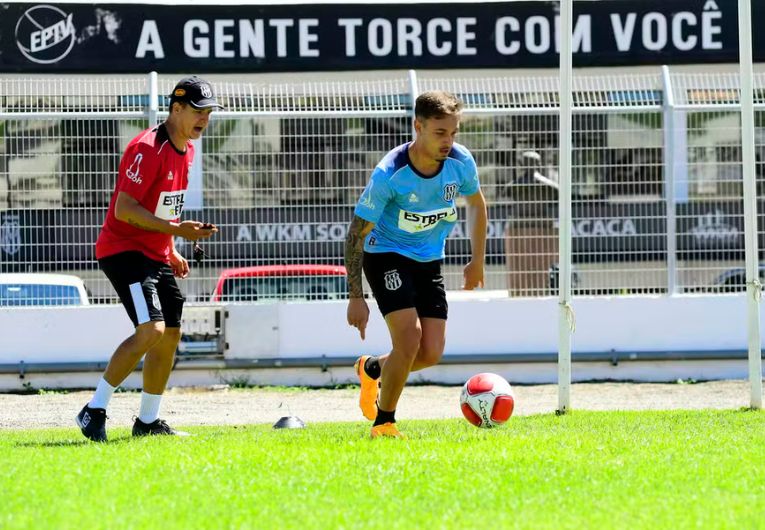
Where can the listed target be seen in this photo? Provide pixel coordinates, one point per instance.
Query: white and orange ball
(487, 400)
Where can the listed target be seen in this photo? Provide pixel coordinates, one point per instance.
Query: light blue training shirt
(413, 214)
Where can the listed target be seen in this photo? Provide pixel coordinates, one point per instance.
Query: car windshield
(20, 294)
(284, 288)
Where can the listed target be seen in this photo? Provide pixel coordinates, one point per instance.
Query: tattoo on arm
(354, 251)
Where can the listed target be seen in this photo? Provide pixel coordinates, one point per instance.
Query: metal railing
(656, 179)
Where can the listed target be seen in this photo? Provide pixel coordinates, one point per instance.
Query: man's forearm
(140, 222)
(478, 221)
(136, 215)
(354, 252)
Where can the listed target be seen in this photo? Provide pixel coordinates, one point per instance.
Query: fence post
(565, 309)
(414, 91)
(753, 284)
(153, 98)
(669, 179)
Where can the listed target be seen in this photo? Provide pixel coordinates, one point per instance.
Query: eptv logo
(45, 34)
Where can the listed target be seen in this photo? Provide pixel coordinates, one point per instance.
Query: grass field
(672, 469)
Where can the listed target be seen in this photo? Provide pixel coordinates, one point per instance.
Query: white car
(41, 289)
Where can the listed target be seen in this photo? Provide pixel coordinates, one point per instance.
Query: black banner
(102, 38)
(64, 238)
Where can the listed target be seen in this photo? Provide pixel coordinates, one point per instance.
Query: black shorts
(399, 282)
(146, 288)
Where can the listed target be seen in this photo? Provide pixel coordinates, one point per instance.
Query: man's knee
(172, 335)
(430, 352)
(150, 333)
(407, 342)
(427, 358)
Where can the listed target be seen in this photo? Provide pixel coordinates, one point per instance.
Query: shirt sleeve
(375, 197)
(137, 171)
(470, 184)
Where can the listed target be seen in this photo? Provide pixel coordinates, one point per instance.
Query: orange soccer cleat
(386, 430)
(369, 389)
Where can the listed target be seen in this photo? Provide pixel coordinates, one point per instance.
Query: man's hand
(473, 275)
(179, 264)
(194, 230)
(358, 315)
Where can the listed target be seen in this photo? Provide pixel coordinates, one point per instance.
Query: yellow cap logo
(179, 92)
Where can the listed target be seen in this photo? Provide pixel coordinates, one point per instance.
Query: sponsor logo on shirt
(366, 201)
(133, 172)
(170, 205)
(414, 222)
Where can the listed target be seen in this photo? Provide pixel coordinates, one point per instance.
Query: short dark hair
(170, 105)
(436, 104)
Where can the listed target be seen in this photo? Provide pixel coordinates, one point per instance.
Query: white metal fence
(657, 191)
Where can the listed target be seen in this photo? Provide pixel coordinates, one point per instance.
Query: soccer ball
(487, 400)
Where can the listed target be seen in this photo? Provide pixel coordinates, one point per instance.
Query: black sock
(372, 367)
(385, 416)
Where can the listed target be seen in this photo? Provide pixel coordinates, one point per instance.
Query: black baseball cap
(195, 91)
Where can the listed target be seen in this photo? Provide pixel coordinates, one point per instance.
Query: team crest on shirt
(413, 198)
(392, 280)
(450, 192)
(169, 175)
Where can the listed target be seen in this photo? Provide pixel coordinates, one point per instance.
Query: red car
(281, 282)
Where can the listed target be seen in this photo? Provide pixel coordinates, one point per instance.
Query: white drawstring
(757, 289)
(570, 316)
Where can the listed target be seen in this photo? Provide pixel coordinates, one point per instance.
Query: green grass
(674, 469)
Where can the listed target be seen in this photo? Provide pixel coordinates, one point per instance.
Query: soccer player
(136, 251)
(397, 236)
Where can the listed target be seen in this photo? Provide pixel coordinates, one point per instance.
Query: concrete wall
(479, 323)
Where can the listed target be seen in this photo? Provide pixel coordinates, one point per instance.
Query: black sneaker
(156, 427)
(92, 423)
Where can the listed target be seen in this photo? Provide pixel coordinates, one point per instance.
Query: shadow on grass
(749, 409)
(113, 440)
(73, 443)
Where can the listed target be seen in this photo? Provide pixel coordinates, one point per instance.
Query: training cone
(289, 422)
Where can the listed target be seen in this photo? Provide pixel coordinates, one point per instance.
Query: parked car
(281, 282)
(41, 289)
(733, 280)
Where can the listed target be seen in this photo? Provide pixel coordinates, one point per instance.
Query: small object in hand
(199, 254)
(207, 226)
